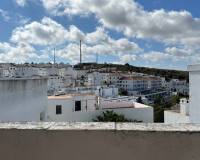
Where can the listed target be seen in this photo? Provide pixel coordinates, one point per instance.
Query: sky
(156, 33)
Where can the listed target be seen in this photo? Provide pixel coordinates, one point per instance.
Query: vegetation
(160, 105)
(123, 92)
(168, 74)
(139, 100)
(110, 116)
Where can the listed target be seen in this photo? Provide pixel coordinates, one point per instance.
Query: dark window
(58, 109)
(77, 105)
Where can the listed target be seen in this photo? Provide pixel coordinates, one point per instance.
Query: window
(77, 105)
(58, 109)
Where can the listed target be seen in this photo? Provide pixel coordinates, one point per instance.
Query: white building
(105, 91)
(189, 109)
(81, 73)
(23, 99)
(179, 86)
(61, 108)
(100, 91)
(86, 107)
(95, 79)
(55, 82)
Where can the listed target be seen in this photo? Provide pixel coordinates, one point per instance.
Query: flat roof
(140, 78)
(69, 96)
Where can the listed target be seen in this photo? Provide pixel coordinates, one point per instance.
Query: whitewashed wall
(194, 96)
(140, 114)
(88, 103)
(22, 99)
(171, 117)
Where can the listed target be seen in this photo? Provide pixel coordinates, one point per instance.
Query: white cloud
(19, 53)
(89, 52)
(179, 52)
(21, 3)
(21, 20)
(5, 15)
(155, 56)
(128, 58)
(48, 34)
(133, 20)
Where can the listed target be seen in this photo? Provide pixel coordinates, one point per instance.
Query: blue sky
(156, 33)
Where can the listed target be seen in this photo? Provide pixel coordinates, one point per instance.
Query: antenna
(80, 53)
(97, 58)
(54, 57)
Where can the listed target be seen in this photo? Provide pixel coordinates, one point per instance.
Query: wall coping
(23, 79)
(195, 67)
(102, 126)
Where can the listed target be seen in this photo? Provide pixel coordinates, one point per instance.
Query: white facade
(179, 86)
(68, 104)
(23, 99)
(81, 73)
(55, 82)
(86, 107)
(139, 83)
(95, 79)
(110, 91)
(194, 111)
(175, 117)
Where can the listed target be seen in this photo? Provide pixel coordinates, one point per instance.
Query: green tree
(158, 113)
(139, 100)
(123, 92)
(110, 116)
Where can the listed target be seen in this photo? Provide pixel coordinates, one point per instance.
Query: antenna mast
(97, 58)
(54, 57)
(80, 53)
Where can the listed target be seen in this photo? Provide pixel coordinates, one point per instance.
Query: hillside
(168, 74)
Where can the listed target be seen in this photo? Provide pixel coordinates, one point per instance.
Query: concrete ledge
(99, 141)
(24, 79)
(195, 67)
(102, 126)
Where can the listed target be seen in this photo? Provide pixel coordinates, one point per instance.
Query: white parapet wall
(171, 117)
(99, 141)
(23, 99)
(194, 85)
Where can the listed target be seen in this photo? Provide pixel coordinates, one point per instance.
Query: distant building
(179, 86)
(136, 84)
(55, 83)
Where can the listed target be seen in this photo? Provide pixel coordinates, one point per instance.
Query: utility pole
(80, 53)
(54, 57)
(97, 58)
